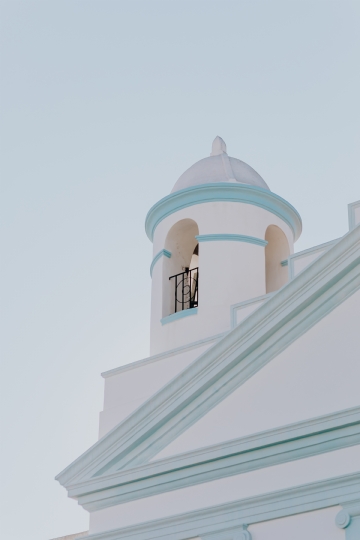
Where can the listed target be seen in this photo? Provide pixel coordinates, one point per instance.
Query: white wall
(225, 490)
(318, 525)
(300, 261)
(317, 374)
(127, 390)
(229, 272)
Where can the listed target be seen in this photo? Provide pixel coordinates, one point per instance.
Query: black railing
(186, 289)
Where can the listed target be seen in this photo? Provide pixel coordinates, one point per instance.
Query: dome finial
(218, 147)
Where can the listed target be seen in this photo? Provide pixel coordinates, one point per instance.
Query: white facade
(245, 420)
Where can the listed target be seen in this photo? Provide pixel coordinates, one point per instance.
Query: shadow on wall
(276, 251)
(182, 244)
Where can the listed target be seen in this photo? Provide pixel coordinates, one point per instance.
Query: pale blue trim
(230, 517)
(349, 519)
(231, 238)
(238, 193)
(162, 253)
(162, 356)
(352, 532)
(179, 315)
(228, 364)
(351, 214)
(268, 448)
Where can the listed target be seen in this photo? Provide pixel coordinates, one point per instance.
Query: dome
(219, 167)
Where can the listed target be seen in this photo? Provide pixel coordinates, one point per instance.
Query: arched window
(276, 251)
(181, 270)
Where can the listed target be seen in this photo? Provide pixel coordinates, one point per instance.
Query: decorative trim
(272, 447)
(244, 534)
(231, 516)
(231, 238)
(351, 214)
(321, 248)
(163, 252)
(179, 315)
(237, 307)
(342, 519)
(161, 356)
(220, 191)
(349, 519)
(241, 353)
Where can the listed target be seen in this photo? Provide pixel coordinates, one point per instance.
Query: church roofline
(241, 353)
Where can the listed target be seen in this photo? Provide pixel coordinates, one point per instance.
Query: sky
(104, 104)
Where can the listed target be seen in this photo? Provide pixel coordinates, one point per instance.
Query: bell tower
(219, 239)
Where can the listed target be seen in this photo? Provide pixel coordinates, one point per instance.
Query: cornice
(272, 447)
(341, 490)
(229, 363)
(220, 191)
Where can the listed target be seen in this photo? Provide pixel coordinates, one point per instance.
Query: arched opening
(180, 285)
(276, 251)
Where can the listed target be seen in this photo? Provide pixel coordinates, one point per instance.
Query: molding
(221, 191)
(241, 353)
(179, 315)
(161, 356)
(272, 447)
(163, 252)
(321, 248)
(237, 307)
(349, 519)
(231, 516)
(231, 238)
(342, 519)
(351, 214)
(238, 533)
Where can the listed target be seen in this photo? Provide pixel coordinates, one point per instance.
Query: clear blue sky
(103, 105)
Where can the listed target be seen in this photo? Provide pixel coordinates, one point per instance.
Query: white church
(244, 421)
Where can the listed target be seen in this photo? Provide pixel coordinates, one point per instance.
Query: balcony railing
(186, 289)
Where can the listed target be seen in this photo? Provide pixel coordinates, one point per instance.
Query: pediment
(224, 368)
(301, 382)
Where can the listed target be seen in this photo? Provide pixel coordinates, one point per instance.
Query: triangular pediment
(224, 368)
(302, 381)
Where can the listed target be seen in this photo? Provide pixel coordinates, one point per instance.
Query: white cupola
(219, 239)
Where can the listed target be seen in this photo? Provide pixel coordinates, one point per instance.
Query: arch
(182, 244)
(276, 251)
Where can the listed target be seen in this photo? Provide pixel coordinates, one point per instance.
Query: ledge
(179, 315)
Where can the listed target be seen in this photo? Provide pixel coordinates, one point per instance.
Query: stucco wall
(127, 388)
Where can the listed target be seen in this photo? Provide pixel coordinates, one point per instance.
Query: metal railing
(186, 289)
